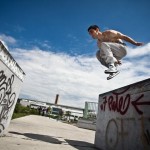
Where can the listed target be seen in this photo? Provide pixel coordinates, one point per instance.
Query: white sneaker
(112, 75)
(111, 69)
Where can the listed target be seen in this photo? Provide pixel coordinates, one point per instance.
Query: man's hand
(139, 43)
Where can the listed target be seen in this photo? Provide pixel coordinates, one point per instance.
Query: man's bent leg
(119, 50)
(101, 60)
(107, 55)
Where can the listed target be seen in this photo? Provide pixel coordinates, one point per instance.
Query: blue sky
(63, 24)
(53, 35)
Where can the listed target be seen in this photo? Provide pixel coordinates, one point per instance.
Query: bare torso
(110, 36)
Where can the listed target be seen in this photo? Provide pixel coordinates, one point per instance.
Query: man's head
(93, 27)
(93, 31)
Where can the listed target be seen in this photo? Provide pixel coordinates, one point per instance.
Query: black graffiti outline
(7, 96)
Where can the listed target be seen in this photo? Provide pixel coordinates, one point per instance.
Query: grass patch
(21, 111)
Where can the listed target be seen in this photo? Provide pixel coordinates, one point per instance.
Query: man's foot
(111, 69)
(111, 75)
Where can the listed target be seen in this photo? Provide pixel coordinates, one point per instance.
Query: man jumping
(111, 47)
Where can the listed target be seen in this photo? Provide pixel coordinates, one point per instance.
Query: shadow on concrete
(81, 145)
(44, 138)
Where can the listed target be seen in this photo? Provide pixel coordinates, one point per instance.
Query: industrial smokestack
(56, 100)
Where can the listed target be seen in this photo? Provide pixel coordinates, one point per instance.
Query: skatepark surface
(43, 133)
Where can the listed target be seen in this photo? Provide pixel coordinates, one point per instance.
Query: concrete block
(87, 124)
(11, 79)
(123, 120)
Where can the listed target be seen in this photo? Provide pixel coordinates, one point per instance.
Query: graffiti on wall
(122, 132)
(127, 117)
(7, 97)
(121, 101)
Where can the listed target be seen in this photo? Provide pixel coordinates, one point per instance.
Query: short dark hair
(93, 27)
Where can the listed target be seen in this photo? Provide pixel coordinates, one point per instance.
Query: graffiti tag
(120, 102)
(7, 97)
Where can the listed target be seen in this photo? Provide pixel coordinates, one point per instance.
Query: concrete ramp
(11, 80)
(123, 121)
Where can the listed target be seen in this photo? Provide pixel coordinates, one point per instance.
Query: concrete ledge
(123, 120)
(11, 80)
(87, 124)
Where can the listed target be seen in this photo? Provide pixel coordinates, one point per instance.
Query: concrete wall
(123, 121)
(11, 79)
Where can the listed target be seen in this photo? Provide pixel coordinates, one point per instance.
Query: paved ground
(42, 133)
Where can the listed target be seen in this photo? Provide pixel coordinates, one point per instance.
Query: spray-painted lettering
(7, 97)
(120, 102)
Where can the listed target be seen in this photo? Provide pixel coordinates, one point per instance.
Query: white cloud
(7, 39)
(139, 51)
(75, 78)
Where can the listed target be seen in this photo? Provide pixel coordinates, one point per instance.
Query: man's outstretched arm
(130, 40)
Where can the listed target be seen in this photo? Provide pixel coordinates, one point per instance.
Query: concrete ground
(41, 133)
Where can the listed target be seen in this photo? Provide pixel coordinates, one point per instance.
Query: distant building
(75, 112)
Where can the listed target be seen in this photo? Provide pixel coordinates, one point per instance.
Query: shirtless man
(111, 45)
